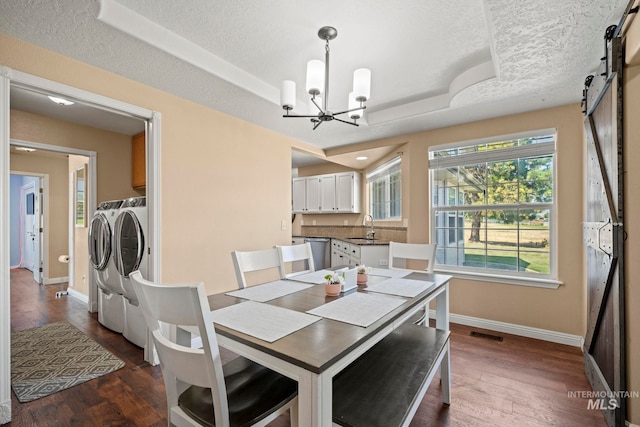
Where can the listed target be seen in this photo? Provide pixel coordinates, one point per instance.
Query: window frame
(547, 280)
(384, 173)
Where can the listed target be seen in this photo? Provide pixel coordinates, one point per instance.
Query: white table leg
(442, 322)
(445, 376)
(442, 309)
(314, 400)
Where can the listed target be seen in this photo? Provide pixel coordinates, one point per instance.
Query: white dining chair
(400, 253)
(249, 261)
(200, 389)
(291, 254)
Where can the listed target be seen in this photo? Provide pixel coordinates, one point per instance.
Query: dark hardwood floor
(515, 382)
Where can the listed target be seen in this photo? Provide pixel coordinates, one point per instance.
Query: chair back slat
(248, 261)
(293, 253)
(183, 363)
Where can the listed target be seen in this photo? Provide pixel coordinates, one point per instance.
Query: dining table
(293, 327)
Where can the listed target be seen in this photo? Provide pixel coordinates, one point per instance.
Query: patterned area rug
(55, 357)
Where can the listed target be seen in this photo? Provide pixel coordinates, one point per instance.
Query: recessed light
(361, 158)
(25, 149)
(61, 101)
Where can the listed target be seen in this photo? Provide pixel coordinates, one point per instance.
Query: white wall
(17, 181)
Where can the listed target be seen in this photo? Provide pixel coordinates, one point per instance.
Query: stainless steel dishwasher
(320, 249)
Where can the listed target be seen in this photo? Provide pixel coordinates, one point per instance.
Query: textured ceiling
(433, 63)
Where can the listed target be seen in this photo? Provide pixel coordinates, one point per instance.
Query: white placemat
(358, 308)
(315, 277)
(401, 287)
(269, 291)
(385, 272)
(263, 321)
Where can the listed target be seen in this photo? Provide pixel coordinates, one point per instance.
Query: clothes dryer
(130, 231)
(110, 299)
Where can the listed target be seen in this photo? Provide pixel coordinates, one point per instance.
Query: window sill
(497, 278)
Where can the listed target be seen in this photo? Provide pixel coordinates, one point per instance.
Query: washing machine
(110, 299)
(130, 231)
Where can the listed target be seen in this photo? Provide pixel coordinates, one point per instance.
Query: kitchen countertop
(360, 241)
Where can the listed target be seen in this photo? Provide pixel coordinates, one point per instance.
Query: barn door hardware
(603, 236)
(594, 84)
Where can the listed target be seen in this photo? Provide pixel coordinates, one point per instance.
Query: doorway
(9, 78)
(26, 224)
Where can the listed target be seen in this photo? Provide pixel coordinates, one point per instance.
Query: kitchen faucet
(371, 232)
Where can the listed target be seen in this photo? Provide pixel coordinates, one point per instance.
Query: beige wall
(225, 184)
(56, 204)
(113, 149)
(561, 310)
(632, 226)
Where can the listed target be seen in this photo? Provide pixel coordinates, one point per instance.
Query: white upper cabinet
(331, 193)
(328, 193)
(314, 200)
(348, 192)
(299, 195)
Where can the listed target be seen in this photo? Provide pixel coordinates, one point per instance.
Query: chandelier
(318, 84)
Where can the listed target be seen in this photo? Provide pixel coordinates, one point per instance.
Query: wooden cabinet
(138, 161)
(331, 193)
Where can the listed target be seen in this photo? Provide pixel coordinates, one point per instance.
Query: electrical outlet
(383, 262)
(346, 222)
(313, 222)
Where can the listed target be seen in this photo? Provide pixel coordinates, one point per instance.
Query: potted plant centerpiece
(363, 274)
(333, 286)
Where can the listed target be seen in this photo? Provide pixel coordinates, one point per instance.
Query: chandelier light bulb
(362, 84)
(315, 77)
(288, 95)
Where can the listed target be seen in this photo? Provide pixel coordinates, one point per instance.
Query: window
(385, 191)
(492, 205)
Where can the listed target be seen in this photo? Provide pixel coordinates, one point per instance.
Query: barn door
(604, 349)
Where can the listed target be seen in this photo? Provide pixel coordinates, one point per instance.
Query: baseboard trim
(78, 295)
(56, 280)
(513, 329)
(5, 412)
(628, 424)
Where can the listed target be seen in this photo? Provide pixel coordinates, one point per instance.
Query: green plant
(334, 279)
